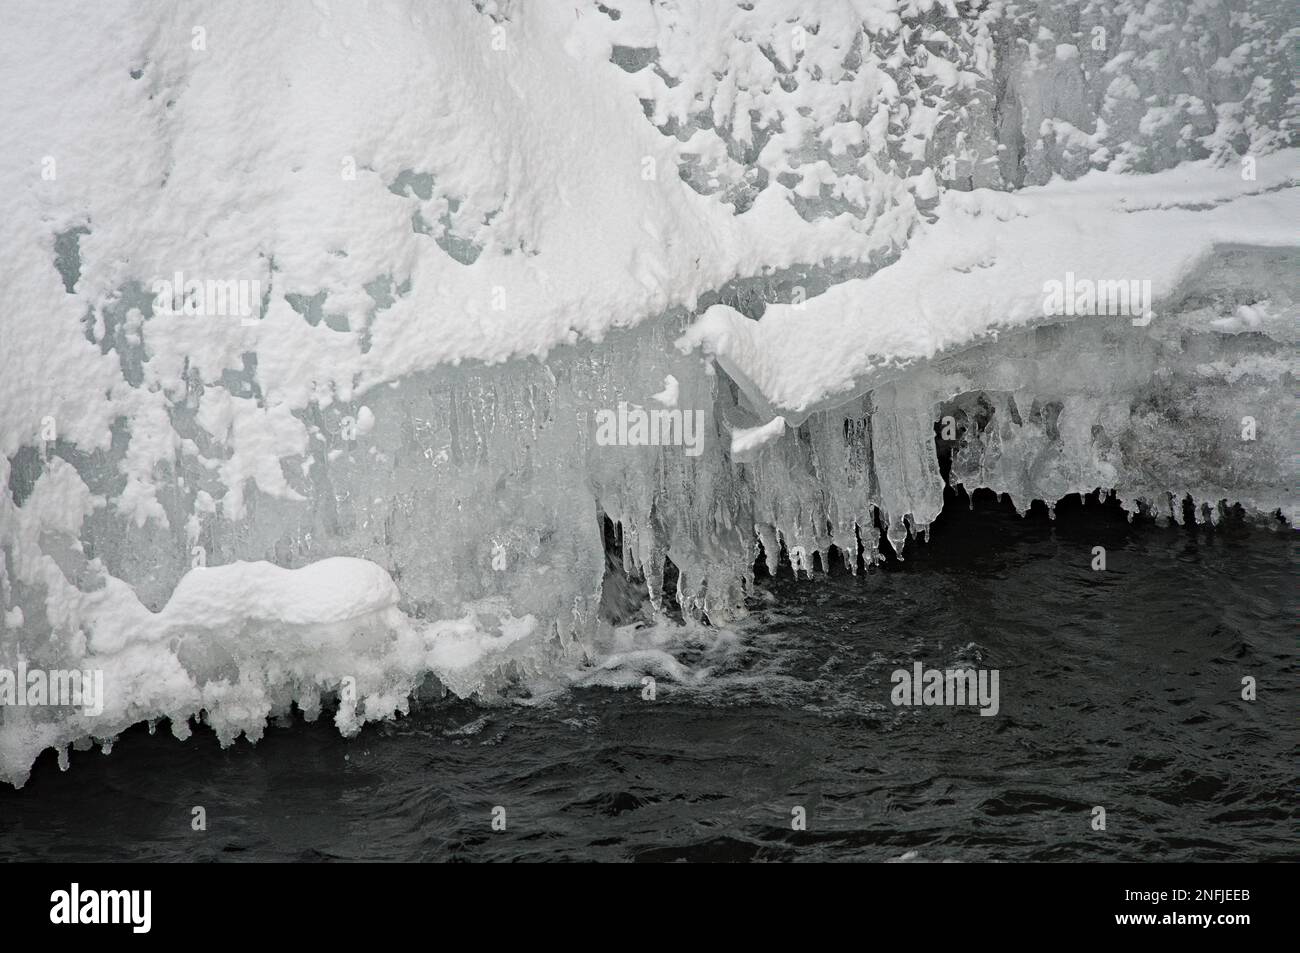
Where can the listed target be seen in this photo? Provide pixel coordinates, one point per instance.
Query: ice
(478, 522)
(824, 227)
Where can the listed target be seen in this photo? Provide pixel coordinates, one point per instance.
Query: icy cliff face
(467, 292)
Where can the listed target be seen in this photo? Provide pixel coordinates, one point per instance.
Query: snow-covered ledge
(985, 266)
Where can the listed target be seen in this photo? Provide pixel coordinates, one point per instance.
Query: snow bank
(237, 644)
(984, 267)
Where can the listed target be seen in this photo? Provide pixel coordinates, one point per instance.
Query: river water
(1118, 689)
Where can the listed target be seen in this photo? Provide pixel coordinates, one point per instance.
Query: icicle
(654, 579)
(904, 462)
(870, 537)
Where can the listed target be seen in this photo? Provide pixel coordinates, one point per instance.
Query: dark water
(1119, 689)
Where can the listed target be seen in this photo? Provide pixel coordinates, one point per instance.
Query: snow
(982, 267)
(236, 641)
(464, 230)
(747, 441)
(669, 395)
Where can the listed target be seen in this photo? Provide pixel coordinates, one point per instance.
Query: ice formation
(350, 451)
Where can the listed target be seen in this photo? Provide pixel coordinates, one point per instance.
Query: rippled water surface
(1119, 689)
